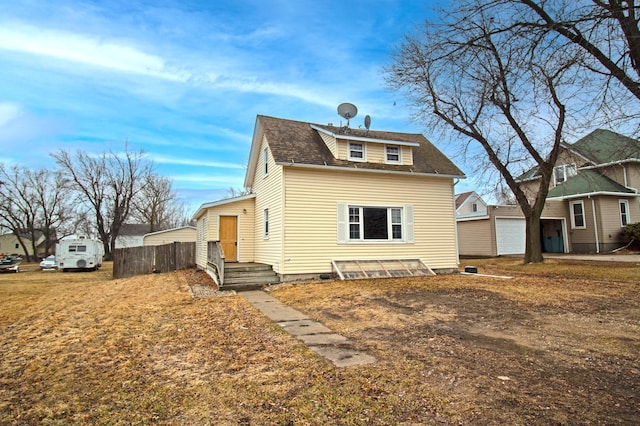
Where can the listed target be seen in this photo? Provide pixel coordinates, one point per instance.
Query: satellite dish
(367, 121)
(347, 110)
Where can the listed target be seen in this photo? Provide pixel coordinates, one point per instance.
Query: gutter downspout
(455, 220)
(595, 224)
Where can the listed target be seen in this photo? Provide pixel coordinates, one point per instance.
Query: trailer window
(73, 249)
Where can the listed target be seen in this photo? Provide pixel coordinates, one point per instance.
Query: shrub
(633, 230)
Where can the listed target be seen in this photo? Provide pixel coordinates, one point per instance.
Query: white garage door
(510, 235)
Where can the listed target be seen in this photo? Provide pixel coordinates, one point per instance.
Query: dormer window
(564, 172)
(392, 154)
(356, 151)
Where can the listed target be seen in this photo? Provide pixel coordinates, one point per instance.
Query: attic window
(393, 154)
(564, 172)
(356, 151)
(474, 207)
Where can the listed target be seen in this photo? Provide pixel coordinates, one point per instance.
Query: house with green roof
(593, 194)
(595, 188)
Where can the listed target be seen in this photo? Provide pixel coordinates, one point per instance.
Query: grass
(557, 344)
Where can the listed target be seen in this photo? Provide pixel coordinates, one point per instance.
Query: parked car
(48, 262)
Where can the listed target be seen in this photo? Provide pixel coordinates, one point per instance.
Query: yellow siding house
(321, 194)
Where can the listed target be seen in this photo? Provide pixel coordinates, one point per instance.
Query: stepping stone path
(316, 336)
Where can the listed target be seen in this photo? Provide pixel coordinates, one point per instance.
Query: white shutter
(408, 224)
(343, 216)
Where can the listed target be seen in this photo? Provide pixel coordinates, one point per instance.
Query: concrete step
(251, 277)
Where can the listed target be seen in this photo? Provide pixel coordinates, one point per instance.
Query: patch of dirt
(201, 285)
(533, 350)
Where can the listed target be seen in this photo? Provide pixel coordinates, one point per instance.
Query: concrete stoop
(320, 339)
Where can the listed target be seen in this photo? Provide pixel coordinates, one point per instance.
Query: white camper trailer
(80, 254)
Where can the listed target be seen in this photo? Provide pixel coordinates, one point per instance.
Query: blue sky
(185, 80)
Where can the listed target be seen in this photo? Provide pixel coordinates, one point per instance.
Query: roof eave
(612, 163)
(592, 194)
(253, 153)
(362, 139)
(169, 230)
(367, 170)
(222, 202)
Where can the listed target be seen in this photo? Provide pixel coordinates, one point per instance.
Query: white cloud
(9, 112)
(160, 159)
(86, 49)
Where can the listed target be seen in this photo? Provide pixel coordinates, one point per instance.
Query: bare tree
(18, 208)
(498, 88)
(607, 33)
(107, 184)
(157, 204)
(34, 203)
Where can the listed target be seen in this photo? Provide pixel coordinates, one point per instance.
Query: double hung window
(577, 215)
(624, 212)
(564, 172)
(356, 151)
(392, 154)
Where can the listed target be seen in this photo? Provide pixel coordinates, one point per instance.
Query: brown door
(229, 237)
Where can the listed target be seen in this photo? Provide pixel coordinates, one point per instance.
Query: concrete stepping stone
(319, 338)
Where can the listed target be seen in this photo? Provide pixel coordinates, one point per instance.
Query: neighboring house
(469, 204)
(593, 195)
(183, 234)
(131, 235)
(323, 196)
(9, 244)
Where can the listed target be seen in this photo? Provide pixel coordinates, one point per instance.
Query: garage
(510, 235)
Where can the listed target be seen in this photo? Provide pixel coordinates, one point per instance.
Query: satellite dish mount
(347, 111)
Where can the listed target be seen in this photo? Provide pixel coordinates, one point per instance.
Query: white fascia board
(471, 218)
(592, 194)
(361, 139)
(256, 141)
(222, 202)
(366, 170)
(613, 163)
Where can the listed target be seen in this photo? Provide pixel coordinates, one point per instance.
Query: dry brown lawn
(557, 344)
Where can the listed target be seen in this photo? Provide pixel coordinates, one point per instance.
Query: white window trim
(266, 224)
(573, 218)
(386, 154)
(364, 152)
(564, 172)
(626, 208)
(265, 164)
(344, 224)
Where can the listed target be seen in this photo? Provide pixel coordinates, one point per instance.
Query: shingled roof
(600, 147)
(604, 146)
(297, 142)
(588, 182)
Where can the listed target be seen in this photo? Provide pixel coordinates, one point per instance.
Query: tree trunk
(533, 251)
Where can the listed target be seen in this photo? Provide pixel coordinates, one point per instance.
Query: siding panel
(311, 232)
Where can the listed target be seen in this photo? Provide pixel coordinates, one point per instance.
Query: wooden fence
(131, 261)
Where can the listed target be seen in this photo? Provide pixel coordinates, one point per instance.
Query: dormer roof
(295, 143)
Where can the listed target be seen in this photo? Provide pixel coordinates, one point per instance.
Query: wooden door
(229, 237)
